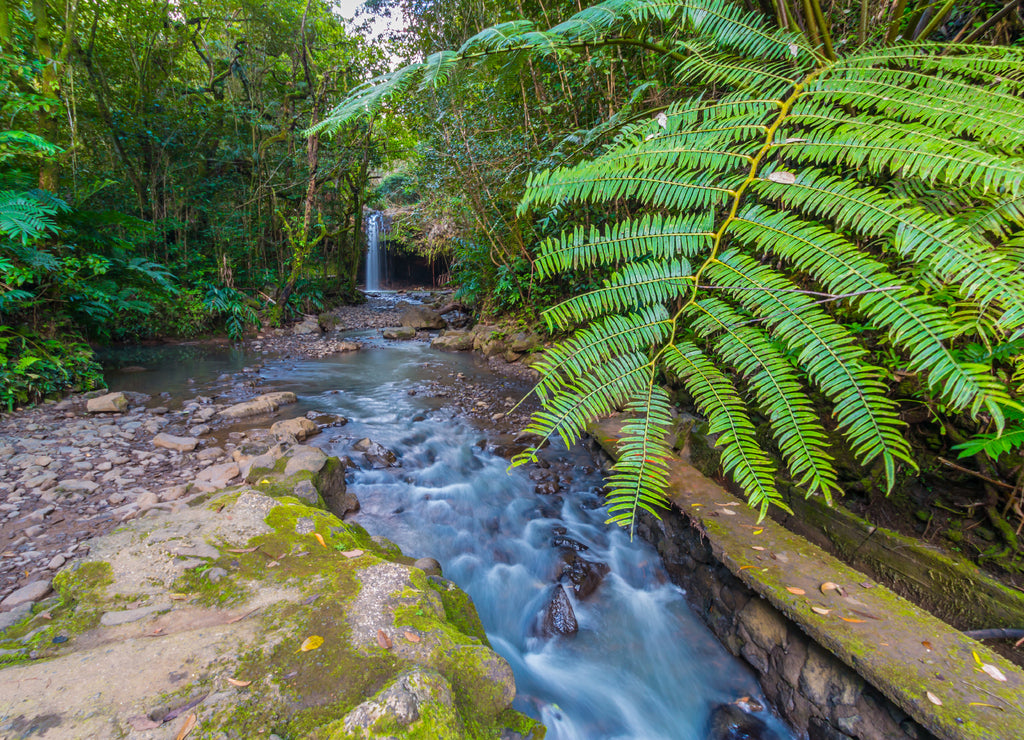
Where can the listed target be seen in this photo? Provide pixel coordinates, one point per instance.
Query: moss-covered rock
(258, 611)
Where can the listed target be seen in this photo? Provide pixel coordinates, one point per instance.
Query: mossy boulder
(250, 612)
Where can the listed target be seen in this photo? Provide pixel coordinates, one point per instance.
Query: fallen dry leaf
(993, 671)
(757, 547)
(731, 503)
(320, 539)
(155, 632)
(236, 682)
(248, 549)
(785, 178)
(851, 620)
(242, 616)
(45, 615)
(190, 724)
(758, 531)
(983, 704)
(311, 643)
(383, 640)
(927, 645)
(727, 512)
(744, 567)
(820, 610)
(178, 597)
(933, 699)
(351, 553)
(828, 586)
(141, 724)
(795, 590)
(412, 636)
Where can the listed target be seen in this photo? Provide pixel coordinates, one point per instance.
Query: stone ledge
(878, 634)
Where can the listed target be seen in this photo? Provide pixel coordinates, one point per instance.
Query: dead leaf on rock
(933, 699)
(757, 547)
(178, 597)
(383, 640)
(239, 684)
(320, 539)
(829, 586)
(412, 636)
(190, 724)
(993, 671)
(927, 645)
(795, 590)
(851, 620)
(820, 610)
(248, 549)
(351, 553)
(311, 643)
(141, 724)
(242, 616)
(727, 512)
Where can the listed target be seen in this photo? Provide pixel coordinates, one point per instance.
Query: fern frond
(777, 388)
(828, 354)
(912, 323)
(950, 249)
(728, 417)
(639, 477)
(596, 184)
(602, 340)
(598, 393)
(649, 236)
(639, 284)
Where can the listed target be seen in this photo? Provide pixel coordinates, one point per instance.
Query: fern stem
(936, 20)
(784, 107)
(896, 21)
(826, 37)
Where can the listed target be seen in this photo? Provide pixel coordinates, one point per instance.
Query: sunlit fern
(760, 208)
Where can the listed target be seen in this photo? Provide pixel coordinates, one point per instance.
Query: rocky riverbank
(174, 547)
(252, 611)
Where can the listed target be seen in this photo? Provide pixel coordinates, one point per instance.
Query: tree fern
(754, 213)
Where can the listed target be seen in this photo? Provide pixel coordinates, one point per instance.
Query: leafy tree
(786, 195)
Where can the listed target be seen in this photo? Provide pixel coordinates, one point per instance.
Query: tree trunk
(48, 125)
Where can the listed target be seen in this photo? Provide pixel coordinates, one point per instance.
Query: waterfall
(376, 254)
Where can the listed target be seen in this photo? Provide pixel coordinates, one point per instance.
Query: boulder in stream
(299, 428)
(375, 453)
(584, 575)
(559, 618)
(421, 317)
(398, 332)
(268, 403)
(732, 722)
(111, 403)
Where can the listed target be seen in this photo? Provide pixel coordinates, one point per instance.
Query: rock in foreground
(250, 611)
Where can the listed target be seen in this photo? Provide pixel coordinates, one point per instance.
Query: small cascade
(376, 253)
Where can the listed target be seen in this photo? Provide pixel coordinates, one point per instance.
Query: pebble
(56, 562)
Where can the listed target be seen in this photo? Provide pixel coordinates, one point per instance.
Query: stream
(641, 666)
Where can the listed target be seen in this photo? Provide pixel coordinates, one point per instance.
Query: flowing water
(642, 666)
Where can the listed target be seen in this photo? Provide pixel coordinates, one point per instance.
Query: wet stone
(559, 617)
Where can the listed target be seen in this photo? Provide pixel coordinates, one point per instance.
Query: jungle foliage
(153, 164)
(788, 231)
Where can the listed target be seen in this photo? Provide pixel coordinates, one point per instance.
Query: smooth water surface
(641, 666)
